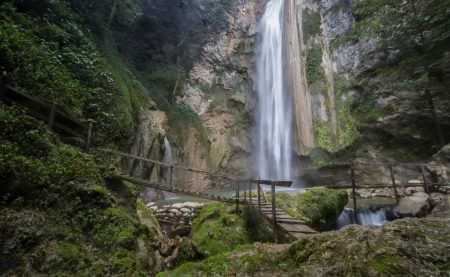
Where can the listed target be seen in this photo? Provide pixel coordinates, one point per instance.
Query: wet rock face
(337, 17)
(220, 91)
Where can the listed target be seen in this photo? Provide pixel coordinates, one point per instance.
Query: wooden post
(245, 192)
(2, 86)
(393, 183)
(250, 191)
(274, 215)
(51, 118)
(355, 211)
(264, 195)
(89, 136)
(259, 196)
(426, 188)
(237, 197)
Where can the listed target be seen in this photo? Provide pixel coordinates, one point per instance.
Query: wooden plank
(270, 182)
(290, 221)
(19, 97)
(297, 228)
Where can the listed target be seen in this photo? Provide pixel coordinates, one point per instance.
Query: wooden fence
(57, 120)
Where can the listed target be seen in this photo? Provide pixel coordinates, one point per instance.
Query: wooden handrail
(270, 182)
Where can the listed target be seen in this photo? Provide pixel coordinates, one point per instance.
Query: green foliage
(310, 24)
(49, 53)
(346, 125)
(57, 216)
(314, 69)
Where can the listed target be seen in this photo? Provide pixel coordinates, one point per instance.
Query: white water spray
(168, 159)
(274, 115)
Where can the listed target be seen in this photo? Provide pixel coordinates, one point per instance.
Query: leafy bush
(49, 53)
(322, 206)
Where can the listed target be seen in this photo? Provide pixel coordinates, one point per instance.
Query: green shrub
(322, 206)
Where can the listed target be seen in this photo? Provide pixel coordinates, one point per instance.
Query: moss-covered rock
(396, 249)
(214, 231)
(320, 207)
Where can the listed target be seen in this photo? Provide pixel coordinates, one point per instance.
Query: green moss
(302, 250)
(258, 228)
(322, 206)
(146, 212)
(388, 264)
(216, 231)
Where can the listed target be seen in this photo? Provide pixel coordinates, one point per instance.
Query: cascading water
(371, 215)
(274, 115)
(168, 159)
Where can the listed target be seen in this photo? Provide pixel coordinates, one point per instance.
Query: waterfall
(168, 159)
(373, 215)
(274, 112)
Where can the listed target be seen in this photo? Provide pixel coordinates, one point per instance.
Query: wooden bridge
(249, 193)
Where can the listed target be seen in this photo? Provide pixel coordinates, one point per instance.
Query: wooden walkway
(292, 226)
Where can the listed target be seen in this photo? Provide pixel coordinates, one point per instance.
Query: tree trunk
(113, 12)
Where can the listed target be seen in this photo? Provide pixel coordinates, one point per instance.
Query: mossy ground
(403, 247)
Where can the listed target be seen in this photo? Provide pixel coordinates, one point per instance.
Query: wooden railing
(50, 113)
(426, 184)
(240, 183)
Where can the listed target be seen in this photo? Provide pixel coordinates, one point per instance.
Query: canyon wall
(356, 94)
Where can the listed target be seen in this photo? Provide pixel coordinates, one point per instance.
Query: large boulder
(442, 207)
(439, 167)
(416, 205)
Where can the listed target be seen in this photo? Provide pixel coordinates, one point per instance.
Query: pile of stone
(176, 219)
